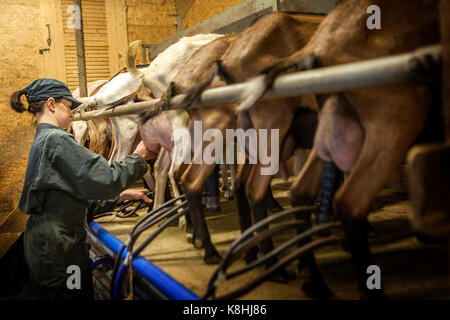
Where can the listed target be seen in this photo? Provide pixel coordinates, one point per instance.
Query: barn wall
(54, 59)
(151, 21)
(204, 9)
(21, 39)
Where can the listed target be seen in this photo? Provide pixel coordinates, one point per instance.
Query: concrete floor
(409, 269)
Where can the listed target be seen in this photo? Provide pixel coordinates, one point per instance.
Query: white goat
(156, 77)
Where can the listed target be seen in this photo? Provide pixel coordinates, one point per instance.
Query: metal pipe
(276, 6)
(396, 69)
(155, 276)
(81, 57)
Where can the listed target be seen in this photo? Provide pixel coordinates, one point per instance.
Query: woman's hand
(142, 150)
(134, 194)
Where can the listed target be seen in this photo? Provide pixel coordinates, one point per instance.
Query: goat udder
(340, 136)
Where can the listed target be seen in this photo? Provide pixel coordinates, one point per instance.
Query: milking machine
(169, 211)
(149, 282)
(122, 210)
(249, 240)
(128, 266)
(331, 180)
(128, 263)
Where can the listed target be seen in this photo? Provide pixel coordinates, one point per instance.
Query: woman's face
(63, 113)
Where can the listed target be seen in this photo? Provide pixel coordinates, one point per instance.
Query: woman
(63, 179)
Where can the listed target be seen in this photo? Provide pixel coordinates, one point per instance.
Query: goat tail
(260, 84)
(162, 105)
(131, 58)
(147, 115)
(223, 73)
(191, 96)
(194, 93)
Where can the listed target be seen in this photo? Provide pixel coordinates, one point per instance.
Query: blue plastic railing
(168, 286)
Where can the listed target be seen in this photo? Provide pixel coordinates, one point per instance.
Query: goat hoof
(214, 259)
(182, 222)
(198, 243)
(190, 237)
(317, 290)
(229, 196)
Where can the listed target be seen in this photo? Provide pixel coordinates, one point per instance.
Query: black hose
(126, 204)
(157, 232)
(148, 224)
(135, 232)
(249, 232)
(153, 212)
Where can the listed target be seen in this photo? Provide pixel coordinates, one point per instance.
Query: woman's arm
(87, 175)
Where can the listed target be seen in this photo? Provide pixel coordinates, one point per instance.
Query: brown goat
(364, 132)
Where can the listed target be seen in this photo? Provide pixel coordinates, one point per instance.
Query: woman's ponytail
(16, 103)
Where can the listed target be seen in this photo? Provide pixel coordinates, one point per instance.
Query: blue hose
(152, 274)
(98, 262)
(119, 280)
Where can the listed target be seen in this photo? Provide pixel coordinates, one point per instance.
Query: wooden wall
(151, 21)
(204, 9)
(21, 39)
(116, 27)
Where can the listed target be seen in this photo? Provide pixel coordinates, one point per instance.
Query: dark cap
(42, 89)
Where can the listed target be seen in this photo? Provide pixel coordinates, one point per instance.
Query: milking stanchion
(412, 67)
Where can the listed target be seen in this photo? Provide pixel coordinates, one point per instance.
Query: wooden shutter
(95, 41)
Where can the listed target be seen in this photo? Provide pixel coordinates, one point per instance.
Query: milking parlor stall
(301, 147)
